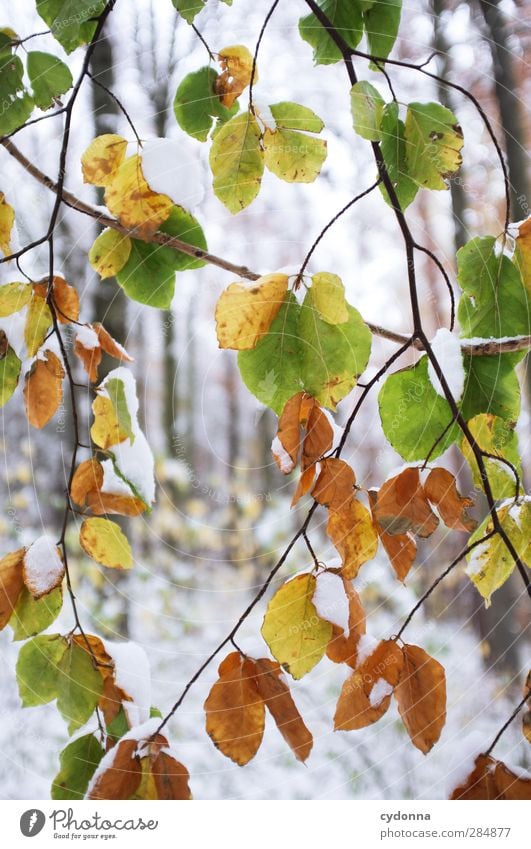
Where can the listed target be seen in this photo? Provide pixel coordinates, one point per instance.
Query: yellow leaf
(11, 584)
(245, 310)
(352, 531)
(43, 389)
(293, 156)
(237, 162)
(7, 219)
(38, 323)
(13, 297)
(102, 159)
(237, 66)
(490, 563)
(88, 477)
(106, 430)
(109, 253)
(106, 543)
(292, 628)
(328, 297)
(129, 197)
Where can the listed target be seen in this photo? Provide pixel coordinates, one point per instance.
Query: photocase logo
(32, 822)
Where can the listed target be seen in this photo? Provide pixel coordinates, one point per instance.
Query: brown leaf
(526, 719)
(110, 345)
(335, 485)
(441, 489)
(401, 506)
(237, 66)
(90, 357)
(344, 648)
(319, 437)
(234, 709)
(111, 699)
(279, 702)
(304, 485)
(43, 389)
(88, 477)
(301, 411)
(421, 697)
(492, 780)
(171, 777)
(122, 778)
(288, 434)
(64, 297)
(401, 549)
(352, 532)
(358, 706)
(102, 503)
(11, 583)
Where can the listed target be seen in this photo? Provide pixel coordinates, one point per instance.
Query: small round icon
(32, 822)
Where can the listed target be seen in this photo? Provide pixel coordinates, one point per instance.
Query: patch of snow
(136, 463)
(331, 601)
(466, 752)
(170, 168)
(43, 567)
(366, 645)
(129, 382)
(139, 733)
(279, 452)
(447, 348)
(13, 326)
(381, 689)
(476, 564)
(133, 675)
(482, 340)
(87, 337)
(113, 483)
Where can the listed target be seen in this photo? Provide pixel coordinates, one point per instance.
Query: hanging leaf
(346, 19)
(31, 616)
(237, 66)
(393, 148)
(71, 24)
(38, 669)
(79, 686)
(246, 309)
(43, 567)
(13, 297)
(292, 156)
(38, 323)
(49, 78)
(121, 778)
(43, 389)
(136, 206)
(490, 563)
(106, 543)
(335, 485)
(279, 702)
(234, 710)
(237, 162)
(301, 411)
(328, 298)
(433, 143)
(11, 584)
(421, 697)
(17, 105)
(367, 105)
(78, 763)
(102, 159)
(293, 116)
(343, 646)
(109, 253)
(498, 437)
(87, 477)
(381, 19)
(7, 219)
(352, 532)
(441, 489)
(366, 695)
(401, 505)
(492, 780)
(197, 107)
(10, 366)
(64, 298)
(400, 548)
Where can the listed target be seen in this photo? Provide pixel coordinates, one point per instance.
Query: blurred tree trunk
(110, 303)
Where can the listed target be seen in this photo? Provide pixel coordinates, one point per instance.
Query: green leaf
(328, 297)
(17, 105)
(414, 415)
(33, 615)
(109, 253)
(495, 302)
(78, 762)
(272, 369)
(293, 156)
(38, 669)
(393, 147)
(79, 686)
(196, 105)
(495, 436)
(237, 162)
(148, 275)
(382, 20)
(9, 374)
(491, 386)
(490, 564)
(116, 391)
(13, 297)
(346, 17)
(333, 356)
(188, 9)
(184, 226)
(433, 143)
(49, 78)
(367, 105)
(293, 116)
(72, 22)
(296, 635)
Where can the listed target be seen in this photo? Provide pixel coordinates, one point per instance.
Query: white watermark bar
(265, 825)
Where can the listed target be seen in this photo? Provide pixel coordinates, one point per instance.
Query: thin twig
(505, 726)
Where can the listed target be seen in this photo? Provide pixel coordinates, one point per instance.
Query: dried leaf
(88, 477)
(246, 309)
(441, 489)
(121, 779)
(171, 778)
(343, 648)
(43, 389)
(318, 439)
(492, 780)
(278, 700)
(235, 714)
(287, 441)
(101, 503)
(137, 207)
(110, 345)
(301, 410)
(366, 695)
(400, 548)
(421, 697)
(102, 159)
(64, 296)
(335, 485)
(236, 65)
(401, 506)
(352, 532)
(11, 583)
(304, 485)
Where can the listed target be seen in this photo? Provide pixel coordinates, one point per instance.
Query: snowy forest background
(222, 513)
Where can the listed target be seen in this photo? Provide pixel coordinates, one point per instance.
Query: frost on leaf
(234, 708)
(421, 697)
(245, 310)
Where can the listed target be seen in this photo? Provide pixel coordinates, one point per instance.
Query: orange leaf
(301, 410)
(304, 485)
(107, 502)
(352, 531)
(341, 648)
(171, 777)
(401, 506)
(335, 484)
(282, 708)
(441, 490)
(11, 583)
(318, 439)
(400, 548)
(90, 356)
(288, 434)
(65, 299)
(492, 780)
(366, 695)
(88, 477)
(421, 697)
(110, 345)
(121, 779)
(235, 712)
(43, 389)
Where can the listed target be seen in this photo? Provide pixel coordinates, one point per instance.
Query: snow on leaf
(354, 708)
(171, 169)
(43, 568)
(447, 349)
(331, 601)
